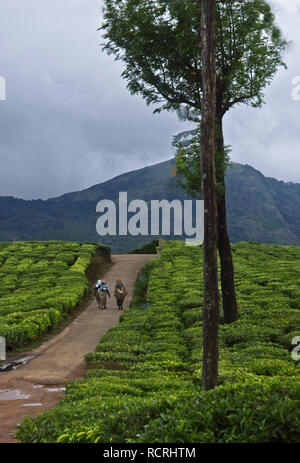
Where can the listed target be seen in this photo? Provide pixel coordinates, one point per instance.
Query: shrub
(40, 283)
(145, 385)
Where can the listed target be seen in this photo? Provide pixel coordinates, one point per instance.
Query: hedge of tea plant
(40, 282)
(144, 382)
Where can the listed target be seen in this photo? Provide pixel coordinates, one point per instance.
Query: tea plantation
(144, 381)
(40, 282)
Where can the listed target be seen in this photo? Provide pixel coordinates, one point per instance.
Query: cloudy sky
(68, 121)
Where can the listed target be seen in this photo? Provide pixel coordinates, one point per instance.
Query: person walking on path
(101, 292)
(120, 293)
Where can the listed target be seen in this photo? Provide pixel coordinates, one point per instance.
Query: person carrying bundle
(120, 293)
(101, 290)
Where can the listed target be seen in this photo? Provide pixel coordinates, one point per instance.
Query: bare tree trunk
(230, 308)
(210, 271)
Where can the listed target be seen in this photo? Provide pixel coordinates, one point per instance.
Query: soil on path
(39, 385)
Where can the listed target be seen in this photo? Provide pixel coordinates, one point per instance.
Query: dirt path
(39, 385)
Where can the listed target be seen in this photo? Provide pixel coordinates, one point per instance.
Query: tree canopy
(188, 170)
(159, 42)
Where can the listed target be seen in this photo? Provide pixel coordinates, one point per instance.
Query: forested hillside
(259, 208)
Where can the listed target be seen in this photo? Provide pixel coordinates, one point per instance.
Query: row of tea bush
(144, 381)
(40, 282)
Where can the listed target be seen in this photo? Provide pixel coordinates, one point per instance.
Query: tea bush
(40, 282)
(144, 381)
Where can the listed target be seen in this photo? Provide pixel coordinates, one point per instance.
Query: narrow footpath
(40, 383)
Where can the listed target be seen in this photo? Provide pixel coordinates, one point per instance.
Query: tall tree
(210, 270)
(160, 44)
(188, 173)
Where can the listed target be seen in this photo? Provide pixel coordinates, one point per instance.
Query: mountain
(259, 208)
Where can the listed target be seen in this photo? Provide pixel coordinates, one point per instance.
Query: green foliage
(258, 208)
(255, 411)
(188, 166)
(144, 381)
(159, 43)
(40, 283)
(149, 248)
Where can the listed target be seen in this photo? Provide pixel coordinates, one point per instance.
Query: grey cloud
(69, 121)
(269, 138)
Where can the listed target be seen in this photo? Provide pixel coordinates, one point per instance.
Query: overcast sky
(68, 121)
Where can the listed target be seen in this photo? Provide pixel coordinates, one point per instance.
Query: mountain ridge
(260, 208)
